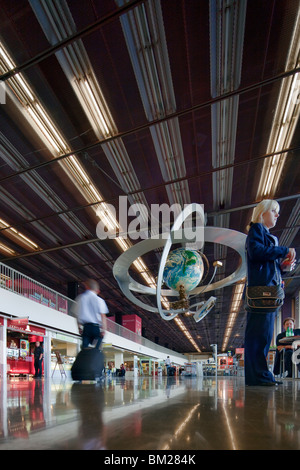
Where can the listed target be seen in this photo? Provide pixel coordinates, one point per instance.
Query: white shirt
(90, 307)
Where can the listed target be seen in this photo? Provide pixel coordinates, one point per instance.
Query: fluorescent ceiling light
(227, 25)
(17, 237)
(24, 86)
(57, 23)
(179, 322)
(43, 128)
(144, 33)
(285, 119)
(51, 127)
(4, 249)
(52, 137)
(79, 169)
(236, 302)
(78, 175)
(96, 108)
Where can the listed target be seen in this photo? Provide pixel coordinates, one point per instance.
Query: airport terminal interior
(136, 139)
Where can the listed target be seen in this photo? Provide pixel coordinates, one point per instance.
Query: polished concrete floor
(149, 414)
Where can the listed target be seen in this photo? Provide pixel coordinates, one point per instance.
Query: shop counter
(21, 366)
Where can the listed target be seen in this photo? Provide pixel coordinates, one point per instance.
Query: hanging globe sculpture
(181, 270)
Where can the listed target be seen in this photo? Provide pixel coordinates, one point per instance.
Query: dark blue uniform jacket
(261, 254)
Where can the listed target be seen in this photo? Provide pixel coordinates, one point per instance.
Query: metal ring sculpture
(227, 237)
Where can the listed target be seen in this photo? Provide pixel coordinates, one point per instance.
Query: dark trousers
(38, 367)
(91, 331)
(258, 337)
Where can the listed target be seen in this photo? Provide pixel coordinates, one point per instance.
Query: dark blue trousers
(258, 337)
(91, 331)
(38, 367)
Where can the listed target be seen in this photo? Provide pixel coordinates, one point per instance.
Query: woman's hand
(289, 262)
(291, 255)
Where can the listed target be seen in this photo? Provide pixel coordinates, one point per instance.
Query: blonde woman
(263, 269)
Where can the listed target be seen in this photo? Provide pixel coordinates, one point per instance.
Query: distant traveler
(91, 313)
(288, 348)
(263, 269)
(168, 364)
(38, 360)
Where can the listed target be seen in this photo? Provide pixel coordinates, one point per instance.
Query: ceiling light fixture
(284, 123)
(4, 249)
(227, 26)
(57, 23)
(144, 33)
(16, 236)
(236, 302)
(51, 137)
(185, 331)
(96, 108)
(76, 65)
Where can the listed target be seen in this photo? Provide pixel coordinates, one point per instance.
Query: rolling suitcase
(88, 365)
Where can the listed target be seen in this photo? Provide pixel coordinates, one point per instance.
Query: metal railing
(20, 284)
(119, 330)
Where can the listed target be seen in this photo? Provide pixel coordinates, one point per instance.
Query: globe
(183, 268)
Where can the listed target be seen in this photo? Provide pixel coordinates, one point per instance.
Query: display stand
(60, 364)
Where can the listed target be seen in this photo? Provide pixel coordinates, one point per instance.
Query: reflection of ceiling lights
(181, 428)
(284, 122)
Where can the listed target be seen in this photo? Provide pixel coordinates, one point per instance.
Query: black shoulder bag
(264, 299)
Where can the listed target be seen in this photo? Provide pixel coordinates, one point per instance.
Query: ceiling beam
(147, 125)
(73, 37)
(95, 240)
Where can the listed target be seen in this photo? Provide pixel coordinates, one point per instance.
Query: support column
(3, 375)
(135, 366)
(47, 355)
(3, 352)
(119, 359)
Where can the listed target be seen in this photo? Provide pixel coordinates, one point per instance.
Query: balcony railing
(20, 284)
(119, 330)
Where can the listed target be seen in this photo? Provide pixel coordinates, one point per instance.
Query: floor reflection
(149, 413)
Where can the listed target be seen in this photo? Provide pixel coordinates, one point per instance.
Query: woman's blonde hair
(264, 206)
